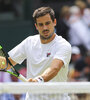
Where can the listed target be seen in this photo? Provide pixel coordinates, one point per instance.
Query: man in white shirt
(47, 54)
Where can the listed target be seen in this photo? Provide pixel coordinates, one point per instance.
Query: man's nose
(44, 27)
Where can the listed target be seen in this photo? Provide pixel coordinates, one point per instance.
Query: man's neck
(48, 40)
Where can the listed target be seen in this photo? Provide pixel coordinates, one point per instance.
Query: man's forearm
(13, 63)
(49, 74)
(52, 71)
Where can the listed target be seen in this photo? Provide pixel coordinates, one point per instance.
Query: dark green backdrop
(13, 32)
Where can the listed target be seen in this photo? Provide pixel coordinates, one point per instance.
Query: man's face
(45, 26)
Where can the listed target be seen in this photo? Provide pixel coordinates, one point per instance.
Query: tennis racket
(13, 71)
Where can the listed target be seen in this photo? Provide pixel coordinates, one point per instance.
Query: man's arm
(50, 72)
(12, 62)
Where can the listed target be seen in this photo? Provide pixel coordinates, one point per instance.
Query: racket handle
(22, 78)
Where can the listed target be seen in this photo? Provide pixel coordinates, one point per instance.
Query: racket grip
(22, 78)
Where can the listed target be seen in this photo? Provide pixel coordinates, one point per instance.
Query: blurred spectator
(76, 55)
(88, 3)
(4, 77)
(79, 34)
(62, 25)
(85, 11)
(12, 97)
(82, 5)
(86, 17)
(87, 67)
(75, 74)
(82, 69)
(82, 73)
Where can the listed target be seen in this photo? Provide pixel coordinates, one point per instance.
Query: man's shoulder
(62, 41)
(32, 38)
(63, 45)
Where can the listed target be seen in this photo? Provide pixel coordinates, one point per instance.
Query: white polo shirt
(39, 56)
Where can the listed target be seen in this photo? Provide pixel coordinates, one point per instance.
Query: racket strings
(12, 71)
(3, 55)
(4, 69)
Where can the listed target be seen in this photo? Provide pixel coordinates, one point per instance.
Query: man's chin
(46, 37)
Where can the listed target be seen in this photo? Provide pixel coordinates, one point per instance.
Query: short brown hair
(43, 11)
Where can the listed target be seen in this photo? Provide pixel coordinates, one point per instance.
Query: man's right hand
(32, 80)
(2, 62)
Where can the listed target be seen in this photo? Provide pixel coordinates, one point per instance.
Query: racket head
(13, 71)
(1, 52)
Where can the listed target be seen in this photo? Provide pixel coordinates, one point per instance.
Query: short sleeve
(64, 53)
(18, 52)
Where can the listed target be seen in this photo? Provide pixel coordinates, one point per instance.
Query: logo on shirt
(48, 54)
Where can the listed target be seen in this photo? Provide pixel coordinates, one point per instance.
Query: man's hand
(2, 62)
(32, 80)
(37, 79)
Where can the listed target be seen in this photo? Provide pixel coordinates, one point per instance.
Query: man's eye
(47, 23)
(40, 24)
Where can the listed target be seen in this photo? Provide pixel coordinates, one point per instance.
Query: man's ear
(36, 26)
(55, 22)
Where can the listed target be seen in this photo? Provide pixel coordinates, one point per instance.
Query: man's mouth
(46, 31)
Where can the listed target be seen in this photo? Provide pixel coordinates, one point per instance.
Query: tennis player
(48, 55)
